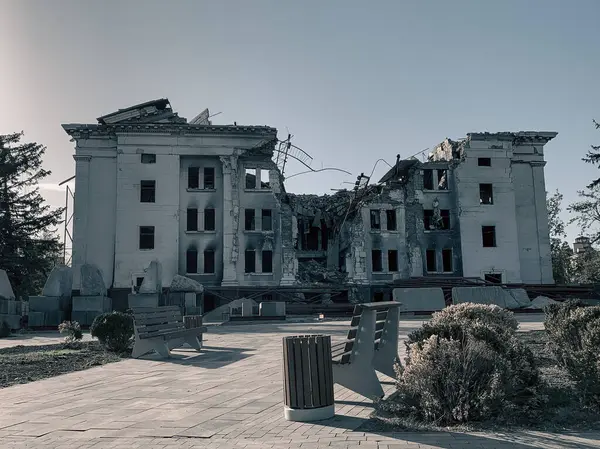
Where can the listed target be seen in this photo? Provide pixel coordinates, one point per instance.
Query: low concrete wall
(420, 299)
(484, 295)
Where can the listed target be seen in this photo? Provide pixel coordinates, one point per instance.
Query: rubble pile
(311, 272)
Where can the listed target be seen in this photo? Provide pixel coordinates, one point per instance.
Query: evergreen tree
(593, 157)
(29, 247)
(562, 266)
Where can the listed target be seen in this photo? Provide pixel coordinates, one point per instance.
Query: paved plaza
(228, 396)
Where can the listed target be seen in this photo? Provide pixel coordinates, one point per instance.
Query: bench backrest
(381, 312)
(154, 321)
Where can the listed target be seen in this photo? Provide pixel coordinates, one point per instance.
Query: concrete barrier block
(35, 319)
(143, 300)
(484, 295)
(98, 304)
(44, 303)
(13, 321)
(10, 307)
(420, 299)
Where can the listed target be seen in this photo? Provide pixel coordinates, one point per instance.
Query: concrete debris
(311, 272)
(185, 284)
(484, 295)
(152, 282)
(540, 302)
(6, 291)
(520, 296)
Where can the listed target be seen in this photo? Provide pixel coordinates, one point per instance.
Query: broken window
(267, 261)
(442, 179)
(148, 158)
(249, 224)
(264, 184)
(494, 278)
(428, 219)
(392, 260)
(484, 162)
(267, 220)
(485, 194)
(191, 261)
(430, 259)
(249, 261)
(312, 239)
(376, 260)
(209, 261)
(146, 237)
(193, 177)
(138, 283)
(375, 219)
(147, 191)
(390, 214)
(209, 177)
(447, 260)
(488, 236)
(192, 219)
(251, 178)
(445, 222)
(428, 179)
(209, 219)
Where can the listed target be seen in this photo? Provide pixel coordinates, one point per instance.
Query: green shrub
(466, 364)
(4, 329)
(114, 330)
(574, 337)
(72, 330)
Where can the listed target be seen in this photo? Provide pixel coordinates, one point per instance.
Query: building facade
(208, 202)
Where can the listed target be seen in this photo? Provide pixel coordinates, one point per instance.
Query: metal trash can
(308, 378)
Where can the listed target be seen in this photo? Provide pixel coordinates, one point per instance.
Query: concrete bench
(161, 329)
(371, 345)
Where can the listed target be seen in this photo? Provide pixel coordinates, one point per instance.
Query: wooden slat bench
(161, 329)
(371, 345)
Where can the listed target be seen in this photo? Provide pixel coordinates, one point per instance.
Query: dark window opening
(138, 283)
(147, 191)
(488, 236)
(428, 218)
(267, 297)
(431, 261)
(442, 176)
(494, 278)
(375, 219)
(428, 179)
(267, 220)
(324, 236)
(209, 177)
(378, 296)
(485, 194)
(146, 237)
(210, 302)
(312, 239)
(191, 261)
(484, 162)
(392, 260)
(391, 219)
(447, 260)
(148, 158)
(267, 261)
(250, 261)
(192, 220)
(209, 219)
(193, 177)
(376, 259)
(445, 214)
(249, 224)
(251, 178)
(209, 261)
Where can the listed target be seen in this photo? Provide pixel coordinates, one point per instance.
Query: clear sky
(353, 81)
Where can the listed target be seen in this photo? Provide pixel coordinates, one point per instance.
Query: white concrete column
(81, 204)
(539, 191)
(231, 213)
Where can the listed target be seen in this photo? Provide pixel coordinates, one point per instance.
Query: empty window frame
(494, 278)
(193, 178)
(428, 179)
(267, 261)
(250, 261)
(442, 178)
(392, 260)
(146, 237)
(428, 219)
(209, 178)
(445, 214)
(484, 161)
(390, 215)
(148, 158)
(488, 236)
(376, 260)
(264, 183)
(486, 195)
(267, 220)
(209, 261)
(375, 219)
(192, 219)
(147, 191)
(138, 283)
(249, 221)
(447, 260)
(430, 259)
(251, 177)
(191, 261)
(209, 219)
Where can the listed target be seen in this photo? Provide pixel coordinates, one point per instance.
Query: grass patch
(562, 411)
(24, 364)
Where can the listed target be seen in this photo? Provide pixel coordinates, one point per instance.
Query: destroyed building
(208, 202)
